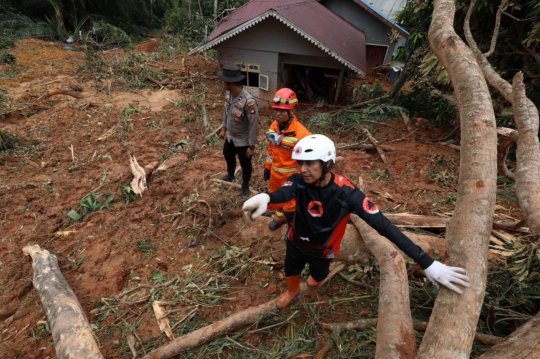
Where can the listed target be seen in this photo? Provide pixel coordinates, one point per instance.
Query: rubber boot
(293, 288)
(276, 224)
(312, 283)
(245, 190)
(229, 177)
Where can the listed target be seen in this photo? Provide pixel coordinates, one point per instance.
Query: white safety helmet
(316, 147)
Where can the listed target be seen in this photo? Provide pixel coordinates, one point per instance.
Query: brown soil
(75, 146)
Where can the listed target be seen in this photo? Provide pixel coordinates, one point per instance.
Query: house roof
(375, 7)
(311, 20)
(389, 8)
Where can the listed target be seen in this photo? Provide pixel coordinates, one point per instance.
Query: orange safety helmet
(285, 99)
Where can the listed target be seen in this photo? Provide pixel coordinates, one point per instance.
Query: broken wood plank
(70, 329)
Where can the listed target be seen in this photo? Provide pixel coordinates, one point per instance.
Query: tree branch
(502, 7)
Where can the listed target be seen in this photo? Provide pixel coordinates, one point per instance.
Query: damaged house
(307, 45)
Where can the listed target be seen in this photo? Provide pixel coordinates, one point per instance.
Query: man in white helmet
(324, 202)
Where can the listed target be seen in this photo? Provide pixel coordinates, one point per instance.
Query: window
(263, 82)
(251, 71)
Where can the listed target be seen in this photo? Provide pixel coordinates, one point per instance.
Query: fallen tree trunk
(395, 333)
(73, 338)
(224, 326)
(523, 343)
(354, 250)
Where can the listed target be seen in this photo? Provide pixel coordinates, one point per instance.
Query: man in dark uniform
(240, 126)
(324, 202)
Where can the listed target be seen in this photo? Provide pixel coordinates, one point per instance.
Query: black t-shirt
(322, 214)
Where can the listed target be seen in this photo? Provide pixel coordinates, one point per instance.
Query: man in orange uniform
(282, 136)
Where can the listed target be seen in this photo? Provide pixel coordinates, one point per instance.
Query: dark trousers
(296, 260)
(230, 152)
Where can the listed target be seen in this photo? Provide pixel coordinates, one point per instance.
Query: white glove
(255, 206)
(439, 273)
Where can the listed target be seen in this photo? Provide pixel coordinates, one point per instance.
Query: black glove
(266, 175)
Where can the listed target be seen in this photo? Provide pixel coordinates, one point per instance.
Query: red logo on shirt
(315, 209)
(369, 206)
(287, 183)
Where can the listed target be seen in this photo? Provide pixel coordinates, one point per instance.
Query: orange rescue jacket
(281, 147)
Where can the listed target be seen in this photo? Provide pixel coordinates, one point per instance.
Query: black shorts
(296, 260)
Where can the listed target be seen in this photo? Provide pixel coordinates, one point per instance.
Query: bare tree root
(395, 333)
(226, 325)
(61, 92)
(73, 338)
(523, 343)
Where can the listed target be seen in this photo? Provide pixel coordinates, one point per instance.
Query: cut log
(395, 333)
(73, 338)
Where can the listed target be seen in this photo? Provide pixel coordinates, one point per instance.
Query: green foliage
(191, 27)
(91, 203)
(436, 109)
(8, 141)
(336, 122)
(363, 93)
(7, 58)
(107, 35)
(6, 39)
(128, 195)
(400, 54)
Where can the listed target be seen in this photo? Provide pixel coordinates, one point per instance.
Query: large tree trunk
(395, 333)
(73, 338)
(524, 343)
(454, 318)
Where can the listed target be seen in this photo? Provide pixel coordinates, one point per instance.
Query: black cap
(230, 73)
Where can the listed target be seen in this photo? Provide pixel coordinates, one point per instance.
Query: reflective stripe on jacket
(279, 156)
